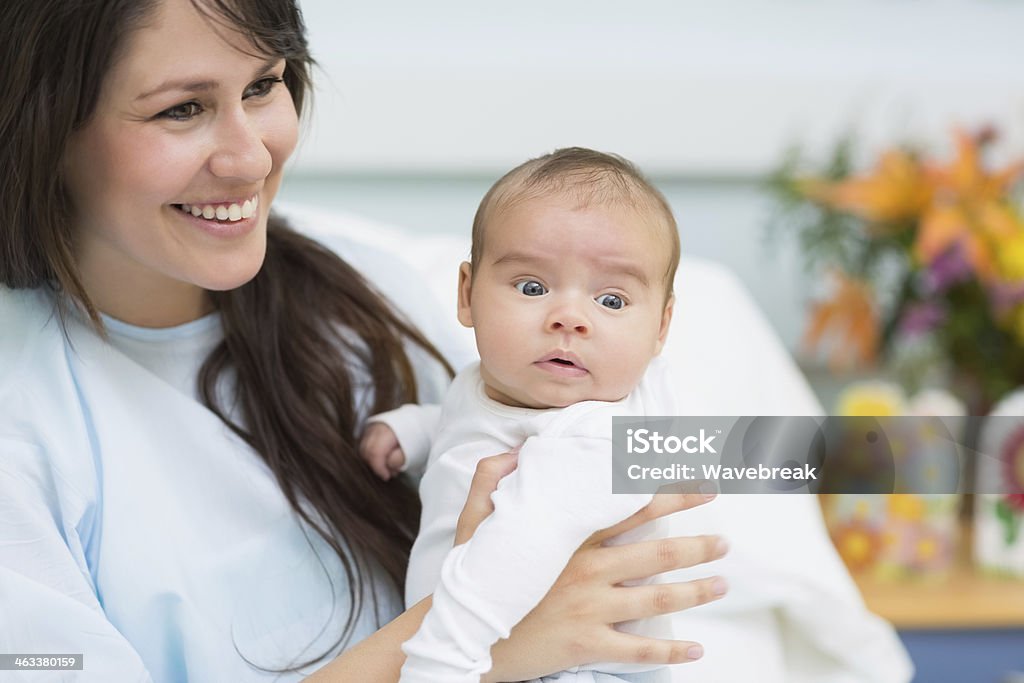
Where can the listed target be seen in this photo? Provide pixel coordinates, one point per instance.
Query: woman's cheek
(281, 126)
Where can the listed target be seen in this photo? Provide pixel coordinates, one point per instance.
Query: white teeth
(230, 212)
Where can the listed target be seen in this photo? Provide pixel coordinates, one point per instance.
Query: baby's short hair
(587, 176)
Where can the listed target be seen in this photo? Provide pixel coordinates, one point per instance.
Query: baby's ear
(465, 291)
(666, 321)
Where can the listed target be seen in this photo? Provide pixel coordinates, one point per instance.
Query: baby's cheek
(628, 374)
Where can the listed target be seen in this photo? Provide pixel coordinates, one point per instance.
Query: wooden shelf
(963, 599)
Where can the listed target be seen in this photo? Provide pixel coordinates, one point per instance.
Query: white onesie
(558, 496)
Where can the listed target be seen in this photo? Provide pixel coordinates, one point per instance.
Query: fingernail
(719, 587)
(695, 652)
(708, 490)
(721, 547)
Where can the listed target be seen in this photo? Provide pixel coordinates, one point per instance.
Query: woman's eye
(531, 288)
(262, 87)
(611, 301)
(181, 112)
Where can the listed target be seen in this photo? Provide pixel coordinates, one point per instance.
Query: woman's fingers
(663, 504)
(632, 649)
(642, 602)
(489, 472)
(646, 558)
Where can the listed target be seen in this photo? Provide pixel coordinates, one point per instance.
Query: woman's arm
(49, 603)
(573, 624)
(378, 658)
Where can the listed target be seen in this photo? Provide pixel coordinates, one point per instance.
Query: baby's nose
(567, 320)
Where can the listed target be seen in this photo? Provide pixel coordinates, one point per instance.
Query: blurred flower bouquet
(925, 261)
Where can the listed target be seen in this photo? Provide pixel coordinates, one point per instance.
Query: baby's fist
(380, 450)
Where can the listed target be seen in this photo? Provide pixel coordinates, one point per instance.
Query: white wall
(705, 87)
(421, 105)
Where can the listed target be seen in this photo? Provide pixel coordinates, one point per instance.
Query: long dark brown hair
(294, 336)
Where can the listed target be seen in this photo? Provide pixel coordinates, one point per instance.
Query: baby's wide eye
(611, 301)
(531, 288)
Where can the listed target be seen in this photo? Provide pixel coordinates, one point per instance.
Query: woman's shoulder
(31, 332)
(41, 412)
(36, 382)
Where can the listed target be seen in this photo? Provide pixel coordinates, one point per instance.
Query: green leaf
(1010, 520)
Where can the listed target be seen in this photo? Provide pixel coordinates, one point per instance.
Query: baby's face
(567, 304)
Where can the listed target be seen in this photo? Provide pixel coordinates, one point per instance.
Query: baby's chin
(545, 395)
(549, 398)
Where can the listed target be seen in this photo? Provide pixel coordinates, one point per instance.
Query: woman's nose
(240, 152)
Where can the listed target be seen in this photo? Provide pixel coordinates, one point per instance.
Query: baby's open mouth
(564, 363)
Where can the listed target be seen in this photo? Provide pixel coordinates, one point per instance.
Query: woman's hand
(574, 623)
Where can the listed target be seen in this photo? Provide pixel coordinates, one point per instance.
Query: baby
(569, 294)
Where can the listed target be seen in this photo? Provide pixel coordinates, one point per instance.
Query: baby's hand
(380, 450)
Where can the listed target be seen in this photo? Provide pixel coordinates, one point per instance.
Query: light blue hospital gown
(136, 529)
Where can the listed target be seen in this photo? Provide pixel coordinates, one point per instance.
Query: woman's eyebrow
(185, 85)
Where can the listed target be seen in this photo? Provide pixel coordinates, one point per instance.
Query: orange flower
(858, 544)
(849, 315)
(898, 190)
(970, 208)
(965, 178)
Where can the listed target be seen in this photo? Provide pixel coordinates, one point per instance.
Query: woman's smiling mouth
(230, 212)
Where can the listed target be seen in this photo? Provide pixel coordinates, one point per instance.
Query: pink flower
(949, 268)
(1013, 470)
(921, 318)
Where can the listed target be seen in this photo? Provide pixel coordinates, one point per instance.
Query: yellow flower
(1011, 257)
(906, 506)
(926, 550)
(873, 398)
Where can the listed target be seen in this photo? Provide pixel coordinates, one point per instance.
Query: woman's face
(187, 123)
